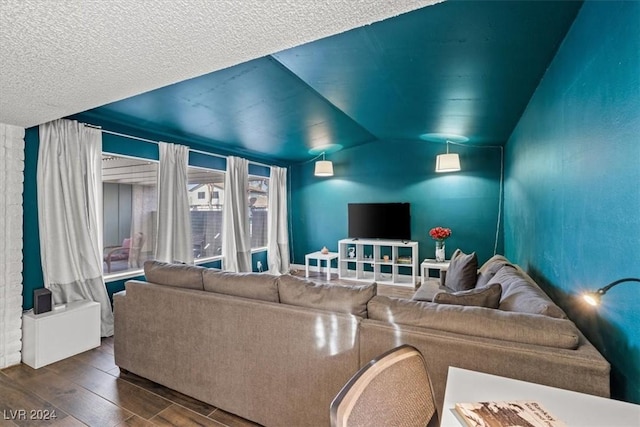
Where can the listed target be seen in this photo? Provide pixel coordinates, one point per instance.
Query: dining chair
(393, 389)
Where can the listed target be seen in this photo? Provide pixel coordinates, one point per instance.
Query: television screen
(380, 221)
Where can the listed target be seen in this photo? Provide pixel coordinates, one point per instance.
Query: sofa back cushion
(323, 296)
(477, 321)
(260, 286)
(177, 275)
(488, 297)
(462, 273)
(489, 269)
(523, 295)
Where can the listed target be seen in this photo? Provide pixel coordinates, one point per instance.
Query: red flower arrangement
(440, 233)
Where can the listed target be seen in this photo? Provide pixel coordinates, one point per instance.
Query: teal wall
(572, 212)
(400, 171)
(32, 267)
(31, 262)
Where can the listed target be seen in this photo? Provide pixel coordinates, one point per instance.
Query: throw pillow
(488, 297)
(462, 273)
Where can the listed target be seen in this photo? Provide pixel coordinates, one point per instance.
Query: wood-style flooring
(89, 389)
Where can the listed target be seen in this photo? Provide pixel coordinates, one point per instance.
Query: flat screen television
(391, 221)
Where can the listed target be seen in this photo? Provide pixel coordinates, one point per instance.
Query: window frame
(128, 274)
(212, 258)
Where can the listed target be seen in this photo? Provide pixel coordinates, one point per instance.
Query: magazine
(518, 413)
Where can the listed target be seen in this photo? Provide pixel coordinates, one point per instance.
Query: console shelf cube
(388, 262)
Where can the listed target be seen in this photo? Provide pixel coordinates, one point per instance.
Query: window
(258, 209)
(206, 190)
(130, 201)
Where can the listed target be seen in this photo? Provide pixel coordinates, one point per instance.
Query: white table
(67, 330)
(319, 257)
(573, 408)
(432, 264)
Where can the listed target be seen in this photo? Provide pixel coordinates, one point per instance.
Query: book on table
(520, 413)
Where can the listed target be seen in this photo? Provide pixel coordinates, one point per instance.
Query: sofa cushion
(488, 297)
(462, 273)
(323, 296)
(477, 321)
(523, 295)
(489, 269)
(428, 290)
(260, 286)
(178, 275)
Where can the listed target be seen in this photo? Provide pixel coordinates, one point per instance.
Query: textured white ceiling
(66, 56)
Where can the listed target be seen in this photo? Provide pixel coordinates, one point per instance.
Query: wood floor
(89, 389)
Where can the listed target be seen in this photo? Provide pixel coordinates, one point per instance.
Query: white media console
(388, 262)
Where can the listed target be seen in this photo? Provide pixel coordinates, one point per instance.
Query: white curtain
(11, 179)
(236, 240)
(174, 241)
(70, 214)
(278, 234)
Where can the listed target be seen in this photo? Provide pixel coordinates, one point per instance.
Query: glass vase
(440, 256)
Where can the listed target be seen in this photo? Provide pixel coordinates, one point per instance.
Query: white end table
(319, 257)
(432, 264)
(63, 332)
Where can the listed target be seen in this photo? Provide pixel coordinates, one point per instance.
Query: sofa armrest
(120, 329)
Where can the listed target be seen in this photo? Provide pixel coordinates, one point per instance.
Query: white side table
(60, 333)
(319, 257)
(432, 264)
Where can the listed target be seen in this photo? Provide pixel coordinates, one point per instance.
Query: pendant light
(447, 162)
(324, 167)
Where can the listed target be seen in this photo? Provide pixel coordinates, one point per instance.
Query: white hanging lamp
(447, 162)
(323, 167)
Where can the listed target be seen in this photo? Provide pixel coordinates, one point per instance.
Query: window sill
(114, 277)
(140, 272)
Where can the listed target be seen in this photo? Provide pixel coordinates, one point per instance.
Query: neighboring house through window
(206, 187)
(258, 208)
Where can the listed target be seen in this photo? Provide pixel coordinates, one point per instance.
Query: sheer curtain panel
(278, 237)
(69, 182)
(174, 240)
(236, 241)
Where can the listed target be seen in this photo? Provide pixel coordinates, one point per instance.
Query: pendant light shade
(323, 167)
(447, 162)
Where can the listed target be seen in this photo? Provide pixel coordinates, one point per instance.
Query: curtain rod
(156, 142)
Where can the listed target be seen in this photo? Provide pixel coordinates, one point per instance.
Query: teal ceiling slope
(461, 67)
(458, 67)
(256, 107)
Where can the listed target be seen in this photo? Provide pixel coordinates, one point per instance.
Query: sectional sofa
(276, 350)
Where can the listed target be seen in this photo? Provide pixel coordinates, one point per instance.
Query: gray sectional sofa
(276, 350)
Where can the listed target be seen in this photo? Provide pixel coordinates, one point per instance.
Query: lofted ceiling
(455, 68)
(62, 57)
